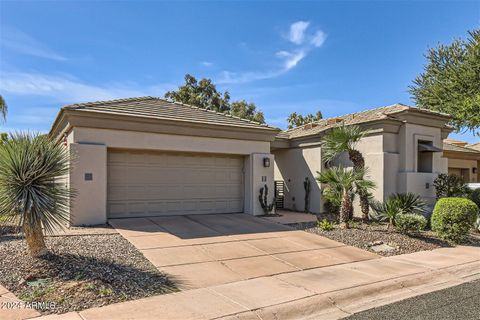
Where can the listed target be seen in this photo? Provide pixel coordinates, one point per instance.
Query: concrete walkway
(321, 293)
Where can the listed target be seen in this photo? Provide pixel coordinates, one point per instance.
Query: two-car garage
(169, 183)
(146, 156)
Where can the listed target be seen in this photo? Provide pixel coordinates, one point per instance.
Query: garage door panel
(142, 184)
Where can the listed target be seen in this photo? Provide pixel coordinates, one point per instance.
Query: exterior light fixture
(266, 162)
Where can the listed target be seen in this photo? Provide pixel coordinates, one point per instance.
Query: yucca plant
(347, 182)
(344, 139)
(31, 193)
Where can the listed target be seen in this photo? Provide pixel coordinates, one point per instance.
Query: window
(425, 150)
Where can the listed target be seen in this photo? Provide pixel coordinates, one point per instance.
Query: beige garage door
(152, 184)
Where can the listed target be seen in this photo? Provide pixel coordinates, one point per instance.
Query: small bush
(453, 218)
(450, 186)
(326, 225)
(409, 222)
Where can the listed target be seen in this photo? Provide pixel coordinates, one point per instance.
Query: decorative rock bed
(376, 238)
(80, 272)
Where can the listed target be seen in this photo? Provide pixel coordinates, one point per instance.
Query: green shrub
(410, 222)
(453, 218)
(450, 186)
(326, 225)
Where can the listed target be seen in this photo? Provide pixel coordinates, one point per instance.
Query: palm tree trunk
(359, 163)
(345, 210)
(35, 240)
(365, 206)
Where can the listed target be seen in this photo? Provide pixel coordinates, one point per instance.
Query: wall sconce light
(266, 162)
(474, 170)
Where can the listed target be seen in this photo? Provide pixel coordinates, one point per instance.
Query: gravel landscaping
(80, 272)
(376, 236)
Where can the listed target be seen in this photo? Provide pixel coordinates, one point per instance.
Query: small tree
(204, 94)
(30, 191)
(450, 82)
(344, 139)
(347, 182)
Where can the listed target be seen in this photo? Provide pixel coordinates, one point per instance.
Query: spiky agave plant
(31, 192)
(398, 203)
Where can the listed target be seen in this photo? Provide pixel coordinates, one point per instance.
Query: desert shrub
(395, 205)
(453, 218)
(447, 186)
(326, 225)
(410, 222)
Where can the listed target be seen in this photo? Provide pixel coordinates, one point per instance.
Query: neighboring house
(463, 159)
(403, 151)
(147, 157)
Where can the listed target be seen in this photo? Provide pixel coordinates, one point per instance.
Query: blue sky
(337, 57)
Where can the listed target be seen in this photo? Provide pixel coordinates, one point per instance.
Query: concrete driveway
(200, 251)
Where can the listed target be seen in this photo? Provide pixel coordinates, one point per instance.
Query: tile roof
(354, 118)
(454, 147)
(475, 146)
(157, 108)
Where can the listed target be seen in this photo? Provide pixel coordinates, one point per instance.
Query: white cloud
(228, 77)
(318, 38)
(207, 63)
(21, 42)
(304, 44)
(297, 31)
(293, 59)
(65, 88)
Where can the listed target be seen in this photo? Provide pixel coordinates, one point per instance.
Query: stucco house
(463, 159)
(147, 156)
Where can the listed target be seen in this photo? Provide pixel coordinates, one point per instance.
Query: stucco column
(88, 179)
(257, 175)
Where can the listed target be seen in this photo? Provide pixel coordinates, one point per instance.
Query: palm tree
(3, 108)
(344, 139)
(31, 193)
(347, 182)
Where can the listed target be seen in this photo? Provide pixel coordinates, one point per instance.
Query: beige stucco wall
(409, 179)
(89, 149)
(168, 142)
(258, 176)
(89, 206)
(293, 166)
